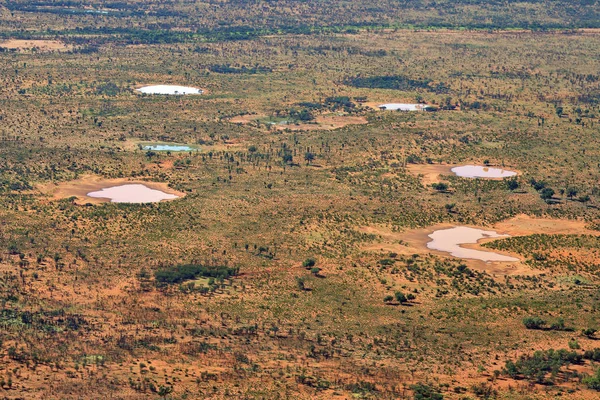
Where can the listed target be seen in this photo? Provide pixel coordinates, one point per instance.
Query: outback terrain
(292, 256)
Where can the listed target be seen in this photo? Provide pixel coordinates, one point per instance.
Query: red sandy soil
(43, 45)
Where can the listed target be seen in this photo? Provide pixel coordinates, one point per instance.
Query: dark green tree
(440, 187)
(512, 184)
(400, 297)
(547, 193)
(309, 157)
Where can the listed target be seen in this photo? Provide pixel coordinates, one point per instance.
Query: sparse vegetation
(296, 263)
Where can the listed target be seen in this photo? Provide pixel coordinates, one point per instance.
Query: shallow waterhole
(450, 241)
(132, 193)
(169, 90)
(477, 171)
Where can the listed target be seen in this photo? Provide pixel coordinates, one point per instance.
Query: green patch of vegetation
(180, 273)
(228, 69)
(397, 82)
(593, 382)
(424, 391)
(538, 366)
(544, 251)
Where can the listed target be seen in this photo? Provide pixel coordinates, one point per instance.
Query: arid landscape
(207, 200)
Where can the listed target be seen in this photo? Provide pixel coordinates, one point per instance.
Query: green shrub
(512, 184)
(593, 382)
(593, 354)
(484, 391)
(309, 263)
(558, 325)
(440, 187)
(589, 332)
(300, 283)
(547, 193)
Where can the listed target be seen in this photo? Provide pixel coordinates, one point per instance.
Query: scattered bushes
(339, 103)
(484, 391)
(546, 193)
(227, 69)
(302, 115)
(539, 323)
(537, 185)
(310, 105)
(180, 273)
(397, 82)
(423, 391)
(512, 184)
(108, 89)
(534, 323)
(312, 381)
(536, 367)
(399, 297)
(593, 355)
(361, 387)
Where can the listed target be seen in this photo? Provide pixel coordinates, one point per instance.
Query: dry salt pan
(132, 193)
(450, 241)
(169, 90)
(403, 107)
(168, 147)
(475, 171)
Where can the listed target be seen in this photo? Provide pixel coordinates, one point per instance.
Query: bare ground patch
(81, 187)
(430, 173)
(43, 45)
(522, 225)
(246, 119)
(327, 122)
